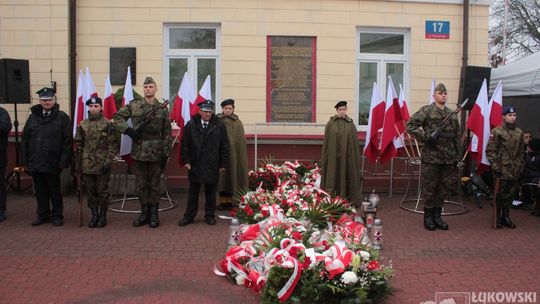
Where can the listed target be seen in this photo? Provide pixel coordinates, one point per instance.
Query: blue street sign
(437, 29)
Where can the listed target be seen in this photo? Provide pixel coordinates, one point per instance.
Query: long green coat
(339, 159)
(235, 176)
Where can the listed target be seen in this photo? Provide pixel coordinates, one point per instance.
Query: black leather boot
(428, 219)
(439, 223)
(506, 221)
(143, 217)
(102, 218)
(94, 220)
(154, 217)
(499, 217)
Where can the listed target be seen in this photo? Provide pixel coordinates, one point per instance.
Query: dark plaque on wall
(120, 60)
(290, 87)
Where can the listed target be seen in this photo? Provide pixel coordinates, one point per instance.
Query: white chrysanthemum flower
(364, 254)
(349, 277)
(257, 216)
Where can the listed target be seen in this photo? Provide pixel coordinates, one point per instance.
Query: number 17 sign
(437, 29)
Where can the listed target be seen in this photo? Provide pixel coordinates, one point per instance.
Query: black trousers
(47, 188)
(193, 200)
(3, 189)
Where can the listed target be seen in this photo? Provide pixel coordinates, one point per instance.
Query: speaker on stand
(15, 89)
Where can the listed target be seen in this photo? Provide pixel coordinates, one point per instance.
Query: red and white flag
(184, 98)
(89, 90)
(495, 107)
(125, 145)
(391, 141)
(404, 109)
(109, 103)
(80, 104)
(375, 123)
(432, 91)
(204, 93)
(478, 123)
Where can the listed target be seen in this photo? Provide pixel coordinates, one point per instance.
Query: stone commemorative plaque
(291, 84)
(120, 60)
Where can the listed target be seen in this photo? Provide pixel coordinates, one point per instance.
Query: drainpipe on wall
(72, 54)
(464, 60)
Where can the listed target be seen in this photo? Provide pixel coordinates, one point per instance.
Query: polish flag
(89, 90)
(495, 107)
(390, 141)
(478, 123)
(80, 104)
(109, 103)
(431, 99)
(182, 102)
(204, 93)
(125, 145)
(403, 105)
(375, 123)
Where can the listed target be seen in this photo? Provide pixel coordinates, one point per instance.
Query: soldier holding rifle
(504, 152)
(151, 135)
(438, 128)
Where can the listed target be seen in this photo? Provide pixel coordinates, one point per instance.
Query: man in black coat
(5, 128)
(205, 152)
(46, 150)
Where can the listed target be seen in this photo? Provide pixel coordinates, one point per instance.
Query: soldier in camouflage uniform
(439, 155)
(505, 154)
(96, 146)
(151, 135)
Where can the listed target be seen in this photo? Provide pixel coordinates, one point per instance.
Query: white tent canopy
(520, 78)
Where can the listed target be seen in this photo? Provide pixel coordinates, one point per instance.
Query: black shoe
(505, 219)
(185, 221)
(102, 217)
(211, 220)
(41, 220)
(94, 220)
(154, 217)
(57, 221)
(143, 217)
(428, 219)
(439, 223)
(2, 216)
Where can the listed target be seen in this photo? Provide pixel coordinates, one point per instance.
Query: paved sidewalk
(171, 264)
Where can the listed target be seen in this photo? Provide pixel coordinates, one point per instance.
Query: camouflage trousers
(149, 183)
(97, 189)
(436, 180)
(507, 193)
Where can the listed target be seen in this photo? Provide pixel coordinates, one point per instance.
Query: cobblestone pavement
(172, 264)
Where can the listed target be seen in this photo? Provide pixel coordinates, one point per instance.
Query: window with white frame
(380, 53)
(193, 49)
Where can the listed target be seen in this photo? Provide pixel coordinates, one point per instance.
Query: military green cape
(339, 159)
(235, 176)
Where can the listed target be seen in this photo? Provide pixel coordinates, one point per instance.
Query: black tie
(204, 125)
(46, 114)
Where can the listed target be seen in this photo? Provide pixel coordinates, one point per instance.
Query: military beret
(46, 93)
(534, 144)
(94, 100)
(440, 88)
(508, 110)
(207, 105)
(340, 104)
(149, 80)
(227, 102)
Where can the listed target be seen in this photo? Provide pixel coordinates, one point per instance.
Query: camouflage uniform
(150, 150)
(438, 162)
(96, 145)
(504, 152)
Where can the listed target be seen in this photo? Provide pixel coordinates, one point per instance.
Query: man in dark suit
(5, 127)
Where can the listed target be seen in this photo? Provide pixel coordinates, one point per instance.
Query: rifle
(79, 192)
(149, 115)
(494, 203)
(447, 119)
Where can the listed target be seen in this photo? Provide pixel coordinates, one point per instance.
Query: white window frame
(382, 60)
(192, 55)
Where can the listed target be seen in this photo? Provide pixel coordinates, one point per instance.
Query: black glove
(431, 143)
(163, 162)
(132, 133)
(140, 130)
(105, 169)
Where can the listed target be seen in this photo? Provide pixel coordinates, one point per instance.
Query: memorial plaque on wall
(119, 61)
(290, 88)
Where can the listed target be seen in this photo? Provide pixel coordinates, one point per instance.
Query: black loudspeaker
(14, 81)
(472, 82)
